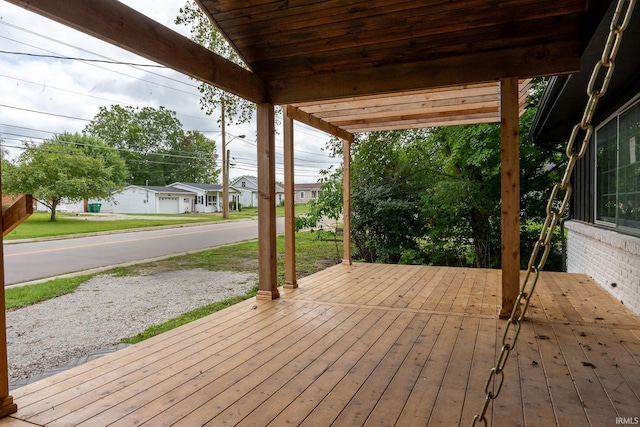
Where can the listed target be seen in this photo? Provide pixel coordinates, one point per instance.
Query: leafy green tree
(197, 160)
(144, 137)
(71, 167)
(328, 204)
(205, 34)
(387, 176)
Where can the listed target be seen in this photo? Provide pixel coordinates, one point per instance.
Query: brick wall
(612, 259)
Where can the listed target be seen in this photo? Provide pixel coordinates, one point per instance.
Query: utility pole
(225, 167)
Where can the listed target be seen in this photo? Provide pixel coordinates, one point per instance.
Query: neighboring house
(603, 238)
(208, 196)
(149, 200)
(306, 192)
(247, 186)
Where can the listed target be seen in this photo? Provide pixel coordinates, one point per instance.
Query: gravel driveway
(106, 309)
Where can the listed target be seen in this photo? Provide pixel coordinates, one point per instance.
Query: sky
(45, 89)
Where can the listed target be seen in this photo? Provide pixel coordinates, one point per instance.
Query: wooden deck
(366, 344)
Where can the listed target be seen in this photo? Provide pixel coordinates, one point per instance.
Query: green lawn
(312, 255)
(39, 226)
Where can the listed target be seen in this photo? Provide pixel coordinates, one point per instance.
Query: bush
(529, 235)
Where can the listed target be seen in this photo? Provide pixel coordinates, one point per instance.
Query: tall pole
(225, 167)
(510, 193)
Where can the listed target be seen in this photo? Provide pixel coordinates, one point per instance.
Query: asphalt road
(26, 262)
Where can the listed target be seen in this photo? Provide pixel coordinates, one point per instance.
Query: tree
(388, 174)
(205, 34)
(197, 160)
(144, 137)
(433, 195)
(328, 204)
(69, 166)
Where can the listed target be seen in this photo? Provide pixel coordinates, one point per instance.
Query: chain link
(556, 206)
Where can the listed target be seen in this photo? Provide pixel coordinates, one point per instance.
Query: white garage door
(168, 205)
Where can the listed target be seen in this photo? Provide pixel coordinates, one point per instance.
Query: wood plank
(290, 280)
(367, 396)
(450, 399)
(536, 392)
(320, 386)
(317, 123)
(217, 351)
(368, 358)
(557, 58)
(225, 385)
(565, 393)
(320, 358)
(160, 389)
(17, 213)
(425, 391)
(389, 407)
(122, 26)
(338, 359)
(508, 406)
(510, 193)
(267, 255)
(484, 356)
(411, 288)
(85, 374)
(346, 201)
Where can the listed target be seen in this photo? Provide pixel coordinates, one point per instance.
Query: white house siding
(612, 259)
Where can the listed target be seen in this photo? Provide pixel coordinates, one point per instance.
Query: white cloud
(53, 88)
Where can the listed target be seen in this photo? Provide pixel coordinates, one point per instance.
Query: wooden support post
(510, 193)
(290, 281)
(267, 287)
(7, 406)
(346, 200)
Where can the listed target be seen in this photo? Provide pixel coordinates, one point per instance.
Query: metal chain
(558, 202)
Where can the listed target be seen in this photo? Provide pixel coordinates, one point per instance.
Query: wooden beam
(290, 281)
(7, 406)
(267, 286)
(314, 122)
(346, 203)
(17, 213)
(115, 23)
(560, 57)
(510, 193)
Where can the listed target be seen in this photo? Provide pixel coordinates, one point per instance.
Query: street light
(225, 173)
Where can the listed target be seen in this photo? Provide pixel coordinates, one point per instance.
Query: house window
(211, 199)
(618, 170)
(302, 195)
(199, 200)
(244, 184)
(314, 194)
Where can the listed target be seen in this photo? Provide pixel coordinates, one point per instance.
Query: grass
(22, 296)
(312, 255)
(39, 226)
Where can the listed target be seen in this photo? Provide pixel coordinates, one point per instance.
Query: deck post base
(346, 262)
(7, 406)
(291, 284)
(268, 295)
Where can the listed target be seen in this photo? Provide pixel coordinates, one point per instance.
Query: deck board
(365, 345)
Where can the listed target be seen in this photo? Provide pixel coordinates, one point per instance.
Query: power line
(70, 58)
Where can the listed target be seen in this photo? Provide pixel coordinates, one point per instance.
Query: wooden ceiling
(456, 105)
(309, 50)
(353, 66)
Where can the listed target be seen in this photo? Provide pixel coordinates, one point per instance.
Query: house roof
(160, 189)
(254, 183)
(205, 187)
(565, 98)
(305, 51)
(308, 186)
